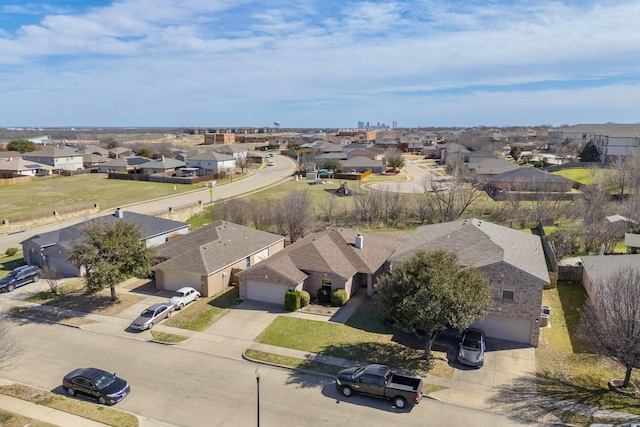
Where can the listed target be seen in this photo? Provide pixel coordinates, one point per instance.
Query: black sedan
(19, 277)
(97, 384)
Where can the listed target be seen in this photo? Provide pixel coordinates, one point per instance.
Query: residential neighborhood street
(258, 179)
(182, 387)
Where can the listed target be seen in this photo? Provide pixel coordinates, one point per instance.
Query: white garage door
(505, 328)
(266, 292)
(174, 281)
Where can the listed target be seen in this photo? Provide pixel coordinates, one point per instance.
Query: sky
(318, 63)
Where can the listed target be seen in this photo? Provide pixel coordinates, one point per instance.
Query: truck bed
(400, 382)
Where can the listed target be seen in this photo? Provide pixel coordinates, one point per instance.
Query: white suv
(184, 296)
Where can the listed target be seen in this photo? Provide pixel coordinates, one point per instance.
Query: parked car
(472, 347)
(183, 296)
(97, 384)
(272, 163)
(152, 315)
(269, 155)
(19, 277)
(379, 381)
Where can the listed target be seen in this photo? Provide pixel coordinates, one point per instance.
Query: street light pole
(258, 393)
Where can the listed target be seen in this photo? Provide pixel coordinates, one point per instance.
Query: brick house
(513, 261)
(333, 259)
(208, 259)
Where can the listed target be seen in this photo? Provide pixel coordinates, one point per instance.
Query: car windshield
(147, 313)
(471, 343)
(104, 380)
(179, 294)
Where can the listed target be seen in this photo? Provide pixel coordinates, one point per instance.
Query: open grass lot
(92, 411)
(584, 176)
(566, 370)
(365, 338)
(201, 314)
(64, 193)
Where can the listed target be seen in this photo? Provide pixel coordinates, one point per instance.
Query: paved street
(183, 387)
(259, 179)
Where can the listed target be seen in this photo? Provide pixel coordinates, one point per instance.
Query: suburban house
(513, 261)
(361, 164)
(207, 259)
(530, 179)
(484, 169)
(332, 259)
(117, 152)
(123, 164)
(162, 165)
(16, 166)
(53, 249)
(61, 158)
(211, 163)
(598, 269)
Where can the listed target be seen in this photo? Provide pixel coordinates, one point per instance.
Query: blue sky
(318, 63)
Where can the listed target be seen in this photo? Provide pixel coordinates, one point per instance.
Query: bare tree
(328, 207)
(51, 275)
(243, 163)
(452, 198)
(368, 207)
(233, 210)
(10, 348)
(296, 213)
(611, 319)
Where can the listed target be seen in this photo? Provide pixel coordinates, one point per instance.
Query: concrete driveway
(506, 363)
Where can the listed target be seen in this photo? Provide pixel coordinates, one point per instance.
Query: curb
(290, 368)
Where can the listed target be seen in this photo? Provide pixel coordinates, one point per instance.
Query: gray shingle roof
(601, 268)
(213, 247)
(478, 243)
(528, 175)
(150, 226)
(331, 251)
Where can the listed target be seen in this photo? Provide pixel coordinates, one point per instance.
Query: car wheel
(150, 326)
(197, 297)
(102, 400)
(35, 278)
(168, 315)
(346, 391)
(181, 306)
(399, 402)
(71, 392)
(11, 288)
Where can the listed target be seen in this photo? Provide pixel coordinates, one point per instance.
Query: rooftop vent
(359, 241)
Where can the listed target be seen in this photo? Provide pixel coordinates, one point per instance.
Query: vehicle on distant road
(379, 381)
(272, 163)
(184, 296)
(96, 384)
(19, 277)
(472, 347)
(152, 315)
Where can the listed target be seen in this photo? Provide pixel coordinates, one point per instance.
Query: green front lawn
(8, 263)
(566, 369)
(365, 338)
(201, 314)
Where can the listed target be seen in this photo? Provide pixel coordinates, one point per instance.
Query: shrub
(292, 301)
(339, 298)
(305, 298)
(11, 251)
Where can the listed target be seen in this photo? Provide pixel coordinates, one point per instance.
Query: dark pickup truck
(379, 381)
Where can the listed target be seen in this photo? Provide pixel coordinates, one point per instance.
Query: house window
(508, 290)
(247, 262)
(326, 285)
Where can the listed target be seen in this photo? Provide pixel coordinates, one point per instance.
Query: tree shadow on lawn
(532, 397)
(573, 297)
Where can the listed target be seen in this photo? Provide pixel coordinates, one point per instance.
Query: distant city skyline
(318, 64)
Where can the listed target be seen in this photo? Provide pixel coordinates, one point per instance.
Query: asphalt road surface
(259, 179)
(188, 388)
